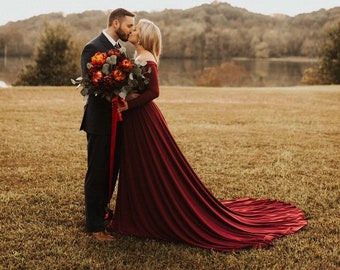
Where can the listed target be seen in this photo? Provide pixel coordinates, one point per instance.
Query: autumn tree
(329, 68)
(56, 59)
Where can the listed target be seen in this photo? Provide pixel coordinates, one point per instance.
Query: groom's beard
(122, 36)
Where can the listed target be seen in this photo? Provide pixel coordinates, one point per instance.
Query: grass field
(278, 143)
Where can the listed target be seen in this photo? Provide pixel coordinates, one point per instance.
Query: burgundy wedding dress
(160, 196)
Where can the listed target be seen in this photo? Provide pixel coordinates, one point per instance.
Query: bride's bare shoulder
(146, 56)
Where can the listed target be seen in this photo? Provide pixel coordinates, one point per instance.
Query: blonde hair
(150, 37)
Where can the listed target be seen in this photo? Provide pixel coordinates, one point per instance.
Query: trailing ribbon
(116, 117)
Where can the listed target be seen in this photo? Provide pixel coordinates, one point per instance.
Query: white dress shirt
(110, 38)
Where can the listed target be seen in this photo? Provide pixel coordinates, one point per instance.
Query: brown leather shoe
(103, 236)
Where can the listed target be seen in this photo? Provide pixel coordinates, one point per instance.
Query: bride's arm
(150, 93)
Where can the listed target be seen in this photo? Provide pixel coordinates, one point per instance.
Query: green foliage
(330, 57)
(56, 59)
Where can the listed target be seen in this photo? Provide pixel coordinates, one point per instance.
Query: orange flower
(97, 76)
(114, 52)
(98, 59)
(126, 64)
(118, 75)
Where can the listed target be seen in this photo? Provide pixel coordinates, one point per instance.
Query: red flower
(114, 52)
(109, 81)
(126, 64)
(98, 59)
(96, 76)
(118, 75)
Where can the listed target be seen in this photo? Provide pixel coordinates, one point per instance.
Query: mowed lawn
(278, 143)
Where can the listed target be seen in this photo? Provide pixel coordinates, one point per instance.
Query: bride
(159, 194)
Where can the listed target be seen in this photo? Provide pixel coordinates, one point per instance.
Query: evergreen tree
(329, 69)
(55, 61)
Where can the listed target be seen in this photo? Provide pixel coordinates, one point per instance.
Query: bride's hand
(122, 105)
(132, 96)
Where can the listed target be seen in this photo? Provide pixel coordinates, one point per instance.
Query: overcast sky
(13, 10)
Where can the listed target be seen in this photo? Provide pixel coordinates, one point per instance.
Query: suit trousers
(96, 186)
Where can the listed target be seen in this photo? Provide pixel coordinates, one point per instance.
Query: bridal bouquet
(112, 73)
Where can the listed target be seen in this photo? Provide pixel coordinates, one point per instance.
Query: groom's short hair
(117, 14)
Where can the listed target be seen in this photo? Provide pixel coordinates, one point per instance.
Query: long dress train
(160, 196)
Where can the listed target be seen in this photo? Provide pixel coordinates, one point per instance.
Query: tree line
(56, 55)
(56, 59)
(209, 31)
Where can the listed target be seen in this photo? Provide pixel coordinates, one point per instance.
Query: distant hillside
(216, 30)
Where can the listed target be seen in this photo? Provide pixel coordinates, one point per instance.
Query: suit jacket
(97, 112)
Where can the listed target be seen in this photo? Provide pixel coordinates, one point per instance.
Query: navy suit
(97, 125)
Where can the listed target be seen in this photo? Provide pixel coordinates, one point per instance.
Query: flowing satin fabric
(160, 196)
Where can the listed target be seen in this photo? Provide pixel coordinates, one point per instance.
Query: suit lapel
(105, 42)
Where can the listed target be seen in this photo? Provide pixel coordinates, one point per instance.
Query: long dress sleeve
(152, 90)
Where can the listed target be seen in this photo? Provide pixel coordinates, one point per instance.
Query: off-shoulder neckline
(151, 62)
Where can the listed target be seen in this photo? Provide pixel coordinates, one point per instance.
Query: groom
(97, 125)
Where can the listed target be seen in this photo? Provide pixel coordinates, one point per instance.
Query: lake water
(261, 72)
(178, 72)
